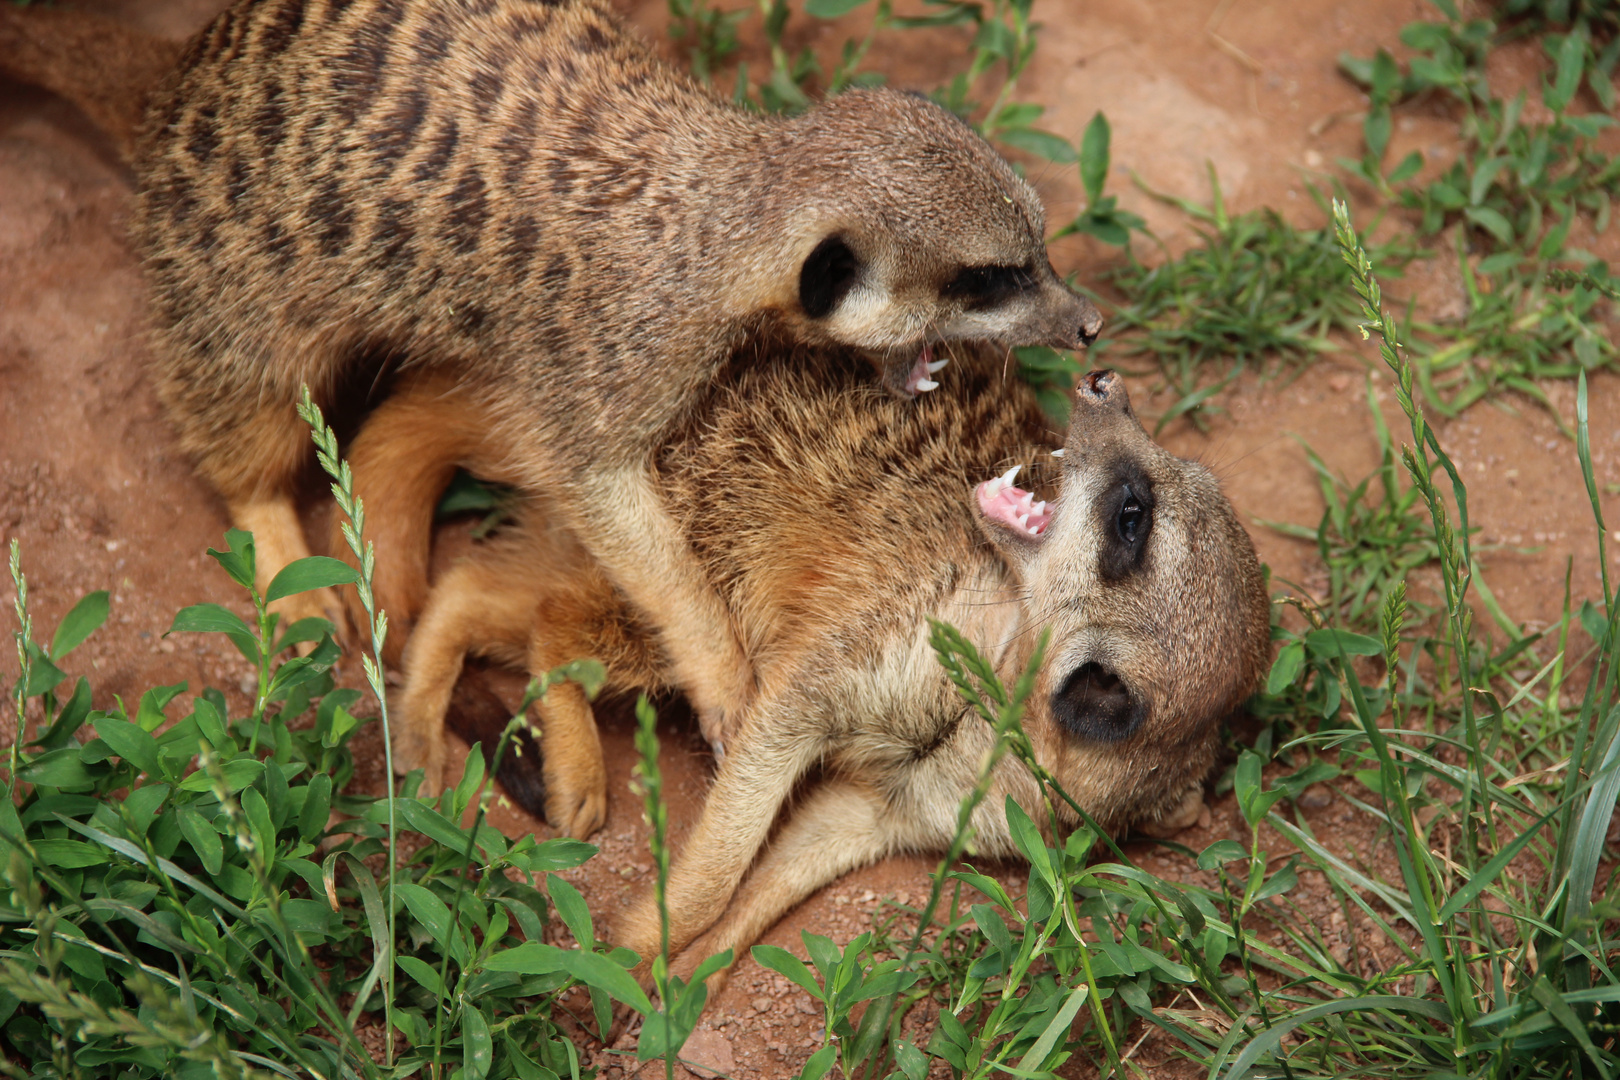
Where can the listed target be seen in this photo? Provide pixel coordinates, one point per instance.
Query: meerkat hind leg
(478, 607)
(258, 481)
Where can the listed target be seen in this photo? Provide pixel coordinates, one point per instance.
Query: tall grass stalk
(326, 452)
(25, 634)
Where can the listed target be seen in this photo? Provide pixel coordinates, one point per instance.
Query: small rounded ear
(826, 277)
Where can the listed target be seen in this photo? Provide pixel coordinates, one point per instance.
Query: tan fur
(518, 193)
(835, 522)
(105, 68)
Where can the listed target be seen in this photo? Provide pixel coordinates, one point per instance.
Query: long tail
(105, 68)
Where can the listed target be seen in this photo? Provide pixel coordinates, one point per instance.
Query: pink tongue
(1007, 504)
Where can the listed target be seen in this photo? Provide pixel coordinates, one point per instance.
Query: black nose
(1098, 383)
(1094, 703)
(1089, 332)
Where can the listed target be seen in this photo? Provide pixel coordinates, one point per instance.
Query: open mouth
(917, 380)
(1001, 501)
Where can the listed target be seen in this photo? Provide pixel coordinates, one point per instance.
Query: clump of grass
(1256, 294)
(194, 896)
(1512, 196)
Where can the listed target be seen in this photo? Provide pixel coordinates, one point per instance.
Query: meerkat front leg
(772, 750)
(632, 535)
(840, 827)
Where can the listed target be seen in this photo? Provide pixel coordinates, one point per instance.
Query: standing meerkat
(519, 193)
(836, 523)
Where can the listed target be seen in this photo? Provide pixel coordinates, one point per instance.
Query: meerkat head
(909, 231)
(1159, 619)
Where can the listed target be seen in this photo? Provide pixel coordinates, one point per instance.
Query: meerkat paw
(576, 805)
(1183, 815)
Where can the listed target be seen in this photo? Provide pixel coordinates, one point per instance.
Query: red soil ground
(92, 484)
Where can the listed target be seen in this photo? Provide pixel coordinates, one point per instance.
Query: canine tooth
(925, 385)
(1010, 475)
(938, 365)
(1023, 522)
(1038, 508)
(992, 488)
(1057, 453)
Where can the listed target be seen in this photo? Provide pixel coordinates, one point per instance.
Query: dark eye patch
(1126, 519)
(827, 276)
(987, 286)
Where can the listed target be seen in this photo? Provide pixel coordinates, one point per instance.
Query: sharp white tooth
(1023, 522)
(1057, 453)
(925, 385)
(1010, 475)
(938, 365)
(1038, 508)
(992, 488)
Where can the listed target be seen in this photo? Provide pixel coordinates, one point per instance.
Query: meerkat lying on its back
(521, 195)
(835, 523)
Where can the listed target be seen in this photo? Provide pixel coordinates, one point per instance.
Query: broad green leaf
(310, 572)
(1094, 157)
(477, 1050)
(1035, 1057)
(434, 915)
(424, 973)
(1221, 851)
(1042, 144)
(69, 854)
(1484, 175)
(1408, 168)
(830, 9)
(150, 714)
(994, 37)
(238, 558)
(1571, 63)
(1280, 882)
(819, 1062)
(912, 1061)
(596, 970)
(129, 742)
(87, 615)
(69, 719)
(785, 963)
(203, 838)
(1029, 841)
(575, 914)
(317, 808)
(1491, 221)
(209, 619)
(238, 773)
(1286, 668)
(1328, 644)
(62, 768)
(43, 676)
(257, 812)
